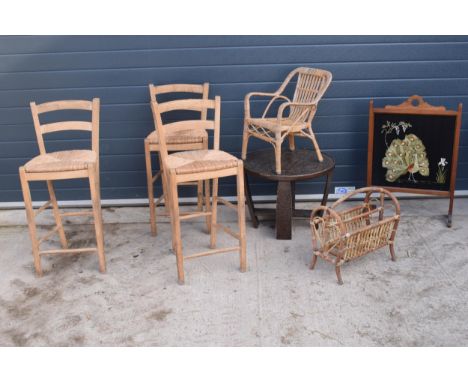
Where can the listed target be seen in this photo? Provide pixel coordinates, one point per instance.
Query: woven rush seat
(195, 161)
(180, 137)
(272, 124)
(70, 160)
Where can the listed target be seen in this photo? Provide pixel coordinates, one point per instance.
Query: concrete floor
(419, 300)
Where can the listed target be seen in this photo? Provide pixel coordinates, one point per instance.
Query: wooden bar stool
(60, 165)
(196, 165)
(181, 140)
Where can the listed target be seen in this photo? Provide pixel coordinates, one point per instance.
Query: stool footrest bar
(213, 252)
(48, 234)
(42, 208)
(159, 200)
(193, 215)
(156, 176)
(77, 213)
(68, 250)
(227, 203)
(228, 230)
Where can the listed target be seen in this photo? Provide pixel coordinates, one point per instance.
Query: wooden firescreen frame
(415, 105)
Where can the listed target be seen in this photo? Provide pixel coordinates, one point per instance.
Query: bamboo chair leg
(56, 211)
(245, 140)
(207, 205)
(316, 146)
(31, 222)
(314, 261)
(241, 216)
(214, 213)
(292, 143)
(93, 185)
(338, 274)
(392, 252)
(175, 218)
(149, 181)
(200, 195)
(277, 146)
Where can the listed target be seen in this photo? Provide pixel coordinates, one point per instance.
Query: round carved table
(296, 165)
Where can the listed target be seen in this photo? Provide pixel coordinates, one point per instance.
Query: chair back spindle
(311, 86)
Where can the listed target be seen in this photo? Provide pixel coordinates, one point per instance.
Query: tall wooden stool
(182, 140)
(196, 165)
(60, 165)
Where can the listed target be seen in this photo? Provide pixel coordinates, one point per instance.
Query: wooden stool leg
(98, 182)
(241, 216)
(316, 146)
(277, 146)
(149, 180)
(168, 202)
(58, 218)
(245, 140)
(208, 204)
(31, 222)
(175, 219)
(207, 194)
(165, 185)
(93, 186)
(214, 213)
(200, 195)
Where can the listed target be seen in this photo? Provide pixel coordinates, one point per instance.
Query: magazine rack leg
(338, 274)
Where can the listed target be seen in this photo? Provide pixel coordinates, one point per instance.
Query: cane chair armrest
(274, 97)
(277, 96)
(285, 105)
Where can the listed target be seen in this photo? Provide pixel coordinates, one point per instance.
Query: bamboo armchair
(199, 165)
(342, 234)
(182, 140)
(71, 164)
(310, 87)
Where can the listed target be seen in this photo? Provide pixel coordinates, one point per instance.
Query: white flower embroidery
(443, 162)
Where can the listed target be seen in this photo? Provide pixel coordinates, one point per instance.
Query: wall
(118, 69)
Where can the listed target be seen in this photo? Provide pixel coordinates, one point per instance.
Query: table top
(299, 164)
